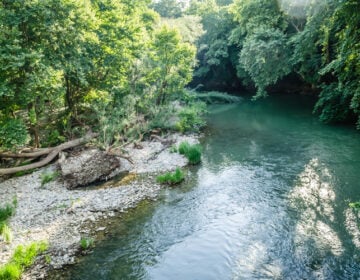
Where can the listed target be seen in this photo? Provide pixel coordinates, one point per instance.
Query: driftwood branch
(51, 154)
(24, 154)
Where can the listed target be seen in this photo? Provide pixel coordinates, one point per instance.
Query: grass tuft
(10, 272)
(23, 258)
(191, 152)
(48, 177)
(171, 178)
(6, 233)
(355, 205)
(86, 243)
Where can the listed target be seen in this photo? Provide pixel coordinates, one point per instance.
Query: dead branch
(25, 154)
(52, 153)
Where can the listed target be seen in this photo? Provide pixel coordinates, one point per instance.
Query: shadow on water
(270, 201)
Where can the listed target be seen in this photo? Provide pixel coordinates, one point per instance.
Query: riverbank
(62, 217)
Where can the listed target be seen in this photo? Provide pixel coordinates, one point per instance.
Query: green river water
(269, 201)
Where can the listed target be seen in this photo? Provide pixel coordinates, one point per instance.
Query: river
(269, 201)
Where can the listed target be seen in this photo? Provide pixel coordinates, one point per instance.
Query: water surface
(269, 201)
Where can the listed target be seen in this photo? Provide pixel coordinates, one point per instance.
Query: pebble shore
(61, 217)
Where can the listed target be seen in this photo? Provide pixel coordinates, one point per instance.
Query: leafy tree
(264, 51)
(172, 62)
(168, 8)
(216, 55)
(340, 97)
(265, 57)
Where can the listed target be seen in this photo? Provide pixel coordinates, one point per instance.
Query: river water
(269, 201)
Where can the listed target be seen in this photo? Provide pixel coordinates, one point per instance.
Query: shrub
(191, 118)
(13, 134)
(191, 152)
(171, 178)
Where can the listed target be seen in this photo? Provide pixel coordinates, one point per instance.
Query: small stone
(101, 229)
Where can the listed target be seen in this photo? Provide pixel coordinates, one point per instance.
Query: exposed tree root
(50, 152)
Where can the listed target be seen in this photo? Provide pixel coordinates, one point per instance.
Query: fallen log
(35, 154)
(51, 152)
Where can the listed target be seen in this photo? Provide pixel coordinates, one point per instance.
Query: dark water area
(269, 201)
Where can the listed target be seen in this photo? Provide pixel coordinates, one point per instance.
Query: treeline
(264, 44)
(69, 66)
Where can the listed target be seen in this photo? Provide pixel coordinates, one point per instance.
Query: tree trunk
(51, 155)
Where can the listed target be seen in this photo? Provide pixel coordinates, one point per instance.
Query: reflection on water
(315, 195)
(270, 201)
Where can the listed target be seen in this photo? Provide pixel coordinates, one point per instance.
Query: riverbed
(269, 201)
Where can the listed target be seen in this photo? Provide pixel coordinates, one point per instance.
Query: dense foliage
(261, 43)
(67, 66)
(113, 66)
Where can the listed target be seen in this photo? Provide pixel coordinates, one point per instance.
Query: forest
(119, 67)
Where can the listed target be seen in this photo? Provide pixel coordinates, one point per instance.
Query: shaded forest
(121, 68)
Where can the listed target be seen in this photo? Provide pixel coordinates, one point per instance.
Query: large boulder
(88, 167)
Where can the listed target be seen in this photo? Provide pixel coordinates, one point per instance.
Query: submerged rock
(88, 167)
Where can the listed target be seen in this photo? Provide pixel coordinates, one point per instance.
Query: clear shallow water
(270, 201)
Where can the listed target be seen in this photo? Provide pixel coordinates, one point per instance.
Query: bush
(13, 134)
(171, 178)
(191, 152)
(191, 118)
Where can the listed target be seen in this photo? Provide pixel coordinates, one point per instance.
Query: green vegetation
(67, 66)
(23, 258)
(86, 243)
(6, 233)
(216, 97)
(48, 177)
(355, 205)
(5, 213)
(171, 178)
(265, 45)
(191, 152)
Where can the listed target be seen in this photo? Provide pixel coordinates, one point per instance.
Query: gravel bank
(62, 217)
